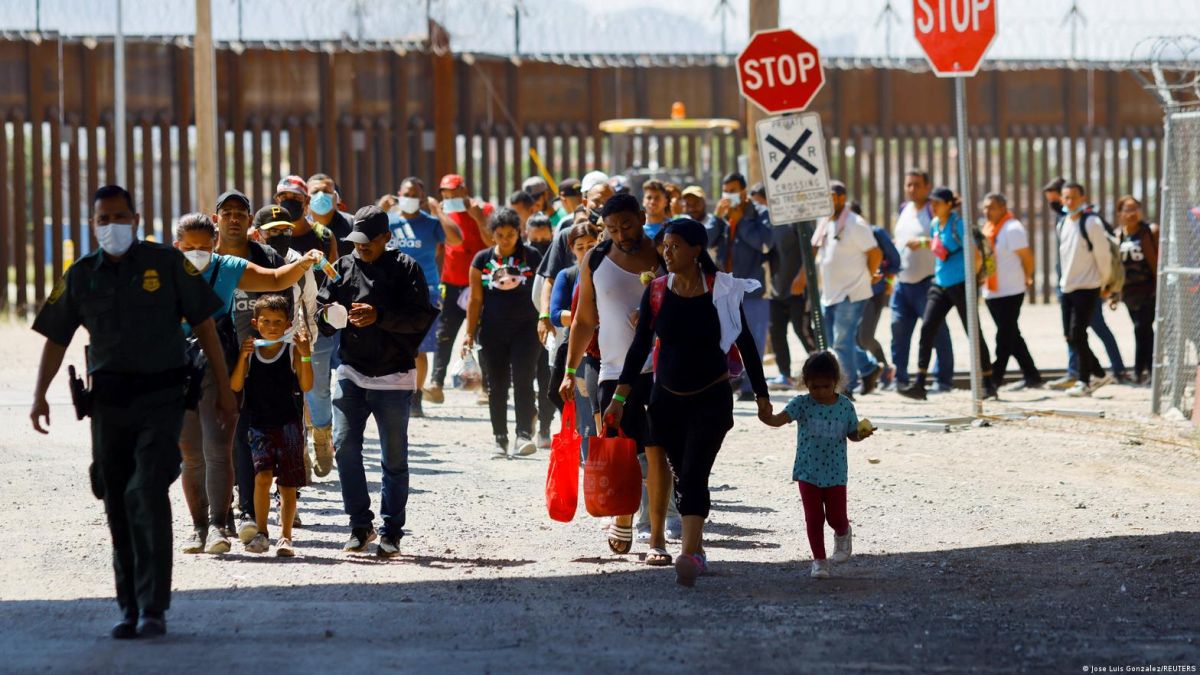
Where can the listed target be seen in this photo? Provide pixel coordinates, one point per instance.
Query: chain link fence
(1177, 338)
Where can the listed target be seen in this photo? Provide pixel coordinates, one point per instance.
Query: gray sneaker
(259, 544)
(194, 543)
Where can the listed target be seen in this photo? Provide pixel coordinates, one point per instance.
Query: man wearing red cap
(471, 216)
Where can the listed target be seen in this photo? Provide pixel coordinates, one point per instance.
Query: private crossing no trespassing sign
(795, 173)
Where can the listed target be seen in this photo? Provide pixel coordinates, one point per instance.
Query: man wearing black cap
(570, 197)
(233, 223)
(381, 305)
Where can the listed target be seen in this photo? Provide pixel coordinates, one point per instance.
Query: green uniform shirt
(131, 308)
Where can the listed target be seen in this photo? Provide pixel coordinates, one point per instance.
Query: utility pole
(119, 98)
(764, 14)
(724, 10)
(204, 73)
(1077, 20)
(887, 17)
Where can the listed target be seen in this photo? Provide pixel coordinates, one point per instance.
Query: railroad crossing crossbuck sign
(795, 174)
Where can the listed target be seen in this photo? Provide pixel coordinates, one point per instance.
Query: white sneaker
(500, 450)
(283, 548)
(1080, 390)
(643, 533)
(525, 447)
(246, 530)
(842, 547)
(259, 544)
(217, 542)
(820, 569)
(1063, 383)
(194, 543)
(1101, 381)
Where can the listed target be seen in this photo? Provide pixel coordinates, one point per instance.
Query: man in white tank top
(612, 281)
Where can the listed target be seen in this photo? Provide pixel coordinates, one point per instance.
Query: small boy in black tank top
(274, 376)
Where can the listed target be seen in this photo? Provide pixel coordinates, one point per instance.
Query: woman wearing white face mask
(205, 445)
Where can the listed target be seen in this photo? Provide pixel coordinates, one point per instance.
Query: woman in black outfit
(698, 318)
(502, 313)
(1139, 255)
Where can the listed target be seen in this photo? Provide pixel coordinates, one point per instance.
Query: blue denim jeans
(908, 306)
(1102, 331)
(758, 316)
(320, 409)
(352, 405)
(843, 320)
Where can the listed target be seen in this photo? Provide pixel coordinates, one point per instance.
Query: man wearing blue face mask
(323, 201)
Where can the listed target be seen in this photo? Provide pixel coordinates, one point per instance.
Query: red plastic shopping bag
(562, 478)
(612, 476)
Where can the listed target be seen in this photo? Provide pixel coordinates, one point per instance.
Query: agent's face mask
(321, 203)
(409, 204)
(199, 258)
(454, 205)
(115, 238)
(734, 198)
(294, 207)
(1056, 206)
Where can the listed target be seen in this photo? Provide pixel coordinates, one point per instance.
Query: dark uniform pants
(136, 450)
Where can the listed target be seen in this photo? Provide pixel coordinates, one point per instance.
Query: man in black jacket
(381, 305)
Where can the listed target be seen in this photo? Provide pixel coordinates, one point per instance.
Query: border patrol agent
(131, 295)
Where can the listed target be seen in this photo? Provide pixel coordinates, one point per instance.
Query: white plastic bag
(466, 374)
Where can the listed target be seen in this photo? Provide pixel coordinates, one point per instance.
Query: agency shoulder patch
(59, 289)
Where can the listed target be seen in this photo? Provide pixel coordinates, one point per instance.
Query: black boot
(153, 624)
(916, 390)
(127, 628)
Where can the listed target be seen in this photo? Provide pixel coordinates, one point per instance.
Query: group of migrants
(253, 350)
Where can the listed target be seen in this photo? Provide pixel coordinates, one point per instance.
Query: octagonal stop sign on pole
(779, 71)
(955, 34)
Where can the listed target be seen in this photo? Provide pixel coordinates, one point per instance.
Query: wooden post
(204, 67)
(444, 102)
(763, 14)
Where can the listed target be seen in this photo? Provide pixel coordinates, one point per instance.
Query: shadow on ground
(1054, 606)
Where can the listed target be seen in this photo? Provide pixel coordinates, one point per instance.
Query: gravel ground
(1049, 544)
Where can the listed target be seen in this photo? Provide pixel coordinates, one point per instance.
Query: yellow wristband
(305, 359)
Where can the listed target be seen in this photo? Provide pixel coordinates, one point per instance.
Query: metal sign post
(968, 217)
(796, 177)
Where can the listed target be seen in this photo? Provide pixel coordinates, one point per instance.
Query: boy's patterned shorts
(279, 450)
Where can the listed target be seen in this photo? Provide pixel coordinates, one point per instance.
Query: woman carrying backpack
(692, 318)
(1139, 256)
(949, 289)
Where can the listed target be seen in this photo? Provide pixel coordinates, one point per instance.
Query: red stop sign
(780, 71)
(955, 34)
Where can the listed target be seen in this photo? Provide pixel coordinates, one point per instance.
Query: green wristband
(618, 398)
(570, 371)
(305, 359)
(544, 315)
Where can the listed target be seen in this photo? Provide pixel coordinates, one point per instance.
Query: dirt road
(1049, 544)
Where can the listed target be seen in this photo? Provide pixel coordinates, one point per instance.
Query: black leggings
(937, 308)
(1006, 312)
(690, 430)
(508, 351)
(1143, 336)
